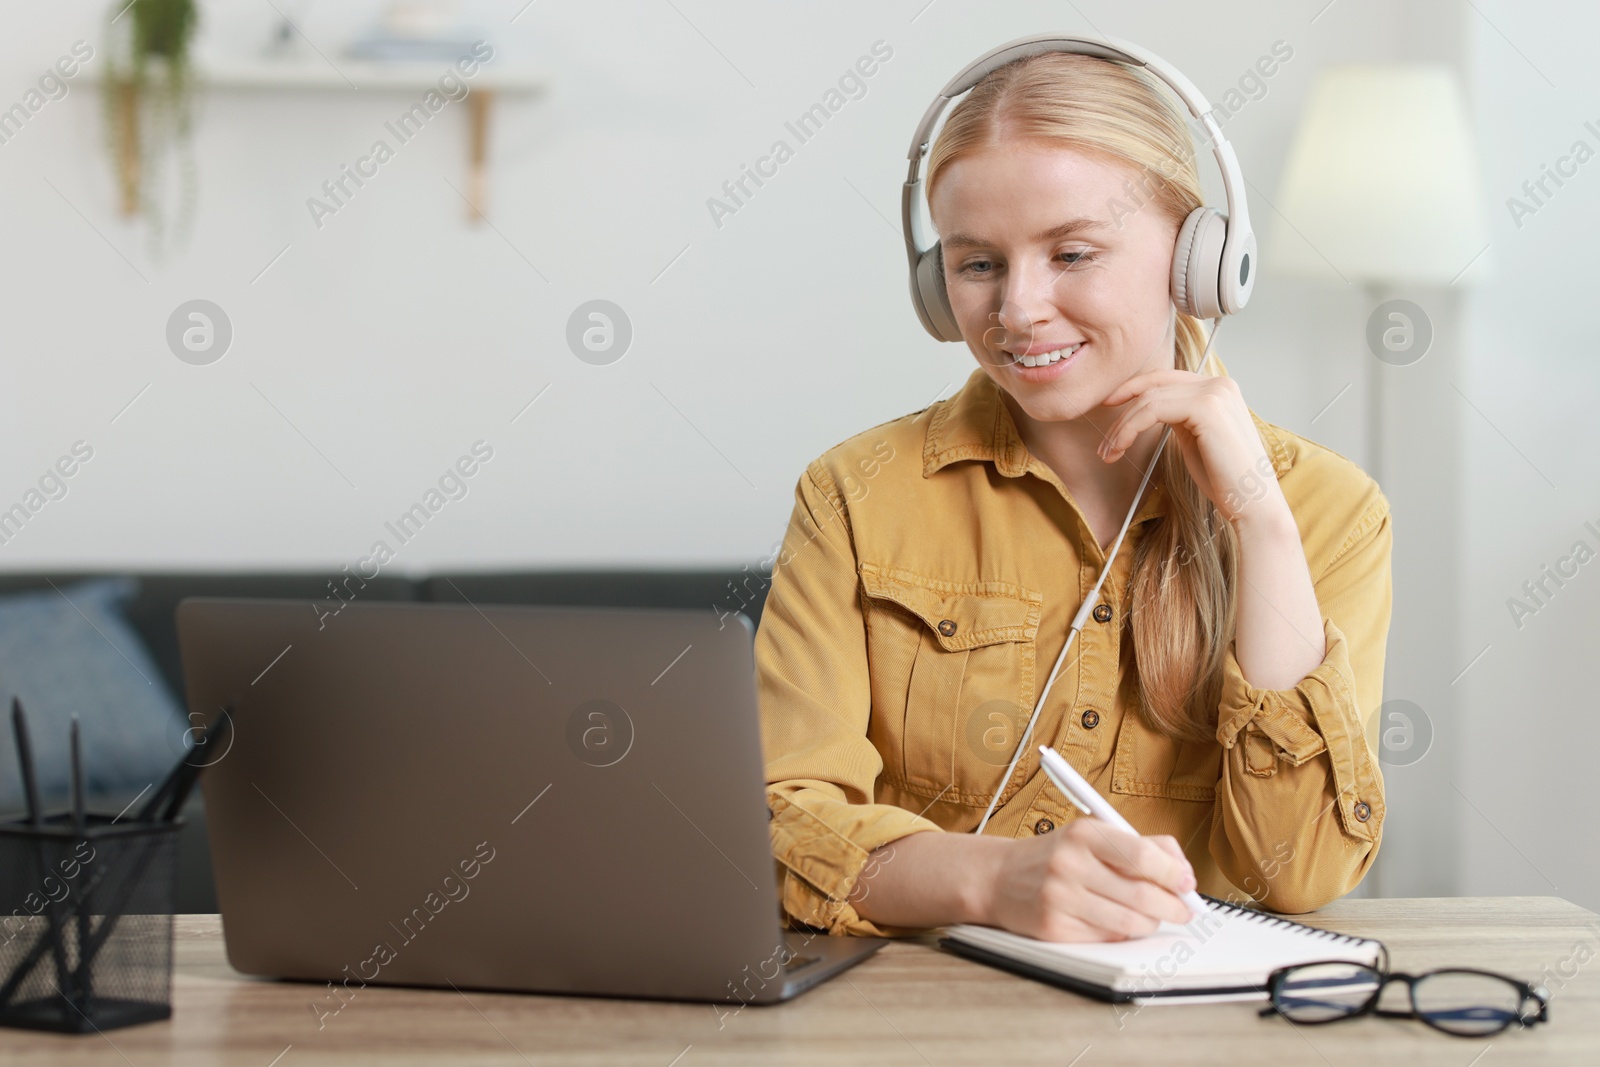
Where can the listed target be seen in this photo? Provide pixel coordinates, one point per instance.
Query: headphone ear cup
(932, 301)
(1197, 263)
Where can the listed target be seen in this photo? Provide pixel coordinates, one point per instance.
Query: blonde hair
(1182, 617)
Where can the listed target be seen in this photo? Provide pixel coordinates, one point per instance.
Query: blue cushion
(72, 651)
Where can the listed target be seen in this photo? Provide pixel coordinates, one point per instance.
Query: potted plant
(147, 97)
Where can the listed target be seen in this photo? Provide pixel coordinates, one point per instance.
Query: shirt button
(1102, 613)
(1363, 813)
(947, 627)
(1091, 719)
(1043, 826)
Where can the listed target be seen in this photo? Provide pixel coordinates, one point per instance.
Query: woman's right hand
(1088, 882)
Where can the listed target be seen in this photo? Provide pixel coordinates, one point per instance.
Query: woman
(1222, 696)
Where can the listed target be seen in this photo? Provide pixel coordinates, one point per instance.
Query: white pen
(1083, 796)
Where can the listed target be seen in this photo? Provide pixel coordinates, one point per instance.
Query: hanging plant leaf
(147, 101)
(164, 28)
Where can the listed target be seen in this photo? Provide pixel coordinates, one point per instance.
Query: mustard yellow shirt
(922, 592)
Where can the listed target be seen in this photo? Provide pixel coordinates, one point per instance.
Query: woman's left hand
(1213, 427)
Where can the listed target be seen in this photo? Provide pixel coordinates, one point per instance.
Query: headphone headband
(1198, 289)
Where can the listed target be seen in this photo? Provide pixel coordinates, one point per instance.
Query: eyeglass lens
(1466, 1003)
(1322, 991)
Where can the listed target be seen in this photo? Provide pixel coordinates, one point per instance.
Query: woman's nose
(1028, 298)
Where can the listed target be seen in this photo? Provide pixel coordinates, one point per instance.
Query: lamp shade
(1382, 182)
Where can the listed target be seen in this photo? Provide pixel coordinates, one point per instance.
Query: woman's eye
(985, 266)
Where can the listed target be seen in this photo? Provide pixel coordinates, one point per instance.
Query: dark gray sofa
(151, 614)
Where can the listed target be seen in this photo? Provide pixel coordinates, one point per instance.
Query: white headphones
(1213, 263)
(1213, 269)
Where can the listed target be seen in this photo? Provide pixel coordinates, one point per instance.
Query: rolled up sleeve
(815, 699)
(1300, 804)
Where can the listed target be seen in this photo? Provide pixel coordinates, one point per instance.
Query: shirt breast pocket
(1148, 763)
(952, 667)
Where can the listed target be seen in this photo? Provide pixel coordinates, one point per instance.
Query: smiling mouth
(1044, 359)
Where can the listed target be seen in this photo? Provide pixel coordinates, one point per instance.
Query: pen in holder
(86, 922)
(86, 901)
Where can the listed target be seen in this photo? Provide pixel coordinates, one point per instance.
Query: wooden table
(911, 1004)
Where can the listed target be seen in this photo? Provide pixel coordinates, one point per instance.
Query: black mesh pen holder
(86, 923)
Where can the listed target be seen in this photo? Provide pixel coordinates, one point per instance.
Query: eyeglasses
(1456, 1000)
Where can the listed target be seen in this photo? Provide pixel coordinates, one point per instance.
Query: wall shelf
(410, 77)
(356, 74)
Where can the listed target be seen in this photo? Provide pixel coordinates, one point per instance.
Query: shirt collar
(976, 424)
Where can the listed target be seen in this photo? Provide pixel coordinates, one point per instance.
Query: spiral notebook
(1223, 955)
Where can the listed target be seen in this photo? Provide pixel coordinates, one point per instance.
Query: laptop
(529, 799)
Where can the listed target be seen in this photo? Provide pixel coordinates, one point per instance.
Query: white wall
(1530, 724)
(397, 335)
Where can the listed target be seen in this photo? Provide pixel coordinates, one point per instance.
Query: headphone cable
(1089, 601)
